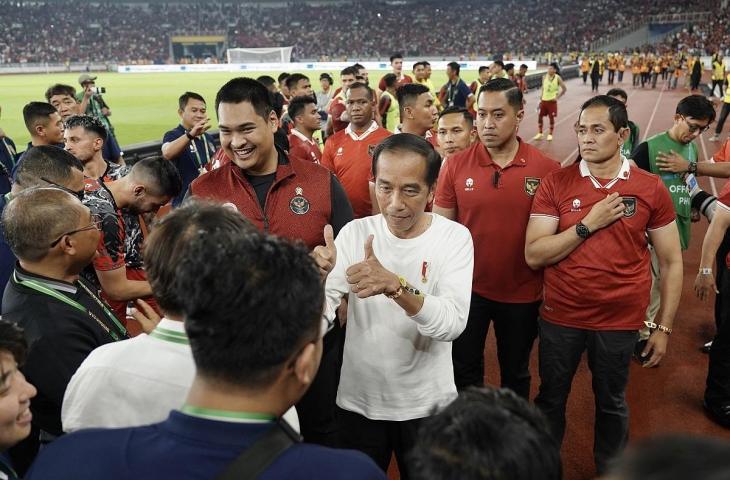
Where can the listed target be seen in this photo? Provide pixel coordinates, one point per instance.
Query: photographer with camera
(97, 107)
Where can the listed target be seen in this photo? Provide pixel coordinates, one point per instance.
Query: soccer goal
(259, 55)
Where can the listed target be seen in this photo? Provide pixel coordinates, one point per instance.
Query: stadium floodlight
(259, 55)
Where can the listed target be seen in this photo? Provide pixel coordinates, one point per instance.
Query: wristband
(705, 271)
(187, 134)
(692, 168)
(657, 326)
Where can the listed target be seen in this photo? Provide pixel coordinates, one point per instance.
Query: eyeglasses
(79, 194)
(693, 128)
(95, 224)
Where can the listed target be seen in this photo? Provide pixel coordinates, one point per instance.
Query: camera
(98, 90)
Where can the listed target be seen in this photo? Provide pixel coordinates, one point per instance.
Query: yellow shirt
(718, 70)
(550, 87)
(727, 91)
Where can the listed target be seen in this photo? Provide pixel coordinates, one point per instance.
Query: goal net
(260, 55)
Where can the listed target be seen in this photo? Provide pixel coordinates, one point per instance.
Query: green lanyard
(228, 415)
(39, 287)
(168, 335)
(197, 155)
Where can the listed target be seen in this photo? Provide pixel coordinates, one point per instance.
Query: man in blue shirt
(251, 368)
(456, 92)
(188, 145)
(42, 166)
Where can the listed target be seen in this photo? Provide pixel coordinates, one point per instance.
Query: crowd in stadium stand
(61, 32)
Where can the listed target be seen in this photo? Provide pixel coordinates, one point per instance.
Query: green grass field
(144, 106)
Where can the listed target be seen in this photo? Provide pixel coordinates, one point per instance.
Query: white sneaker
(537, 137)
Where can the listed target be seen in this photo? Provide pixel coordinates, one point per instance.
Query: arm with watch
(545, 247)
(705, 281)
(173, 149)
(675, 163)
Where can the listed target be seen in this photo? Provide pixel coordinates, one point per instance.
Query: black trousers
(317, 408)
(515, 328)
(620, 76)
(719, 84)
(718, 372)
(609, 355)
(723, 116)
(379, 439)
(585, 77)
(635, 78)
(594, 82)
(611, 76)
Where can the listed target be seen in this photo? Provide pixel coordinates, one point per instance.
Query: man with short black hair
(337, 108)
(388, 106)
(97, 107)
(54, 237)
(305, 117)
(553, 88)
(348, 153)
(489, 188)
(282, 86)
(188, 145)
(299, 85)
(628, 146)
(456, 92)
(396, 63)
(44, 124)
(150, 184)
(455, 130)
(255, 357)
(417, 111)
(405, 274)
(526, 450)
(589, 229)
(63, 98)
(484, 76)
(282, 196)
(85, 136)
(496, 70)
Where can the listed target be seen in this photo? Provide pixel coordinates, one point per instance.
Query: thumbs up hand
(369, 278)
(326, 255)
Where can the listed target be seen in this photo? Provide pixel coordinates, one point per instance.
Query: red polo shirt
(604, 283)
(496, 216)
(302, 148)
(350, 157)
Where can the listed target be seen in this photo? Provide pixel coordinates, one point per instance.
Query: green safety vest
(392, 115)
(675, 181)
(628, 147)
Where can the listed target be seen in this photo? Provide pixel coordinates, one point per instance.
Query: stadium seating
(111, 32)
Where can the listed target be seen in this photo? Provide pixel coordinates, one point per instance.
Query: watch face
(582, 230)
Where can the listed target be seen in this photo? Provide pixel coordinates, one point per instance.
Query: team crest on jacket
(531, 184)
(298, 204)
(630, 204)
(371, 149)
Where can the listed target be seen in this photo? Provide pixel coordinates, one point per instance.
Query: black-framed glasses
(80, 194)
(95, 224)
(695, 128)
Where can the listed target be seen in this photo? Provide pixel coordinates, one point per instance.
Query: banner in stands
(302, 66)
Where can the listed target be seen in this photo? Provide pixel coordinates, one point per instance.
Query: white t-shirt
(134, 382)
(397, 367)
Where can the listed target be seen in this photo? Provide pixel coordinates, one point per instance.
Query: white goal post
(259, 55)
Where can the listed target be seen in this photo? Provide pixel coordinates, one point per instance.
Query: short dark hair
(509, 66)
(158, 175)
(455, 67)
(510, 89)
(168, 244)
(266, 80)
(390, 80)
(416, 64)
(13, 341)
(407, 142)
(454, 110)
(349, 71)
(698, 107)
(408, 93)
(364, 86)
(499, 62)
(396, 56)
(359, 66)
(486, 434)
(294, 78)
(426, 63)
(483, 68)
(298, 104)
(524, 66)
(49, 162)
(326, 76)
(674, 457)
(182, 102)
(35, 112)
(60, 89)
(617, 92)
(89, 123)
(243, 89)
(250, 304)
(616, 110)
(283, 76)
(35, 218)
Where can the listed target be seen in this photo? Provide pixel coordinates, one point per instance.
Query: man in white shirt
(142, 379)
(407, 276)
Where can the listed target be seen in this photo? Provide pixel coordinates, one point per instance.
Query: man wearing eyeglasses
(43, 166)
(54, 237)
(692, 117)
(489, 188)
